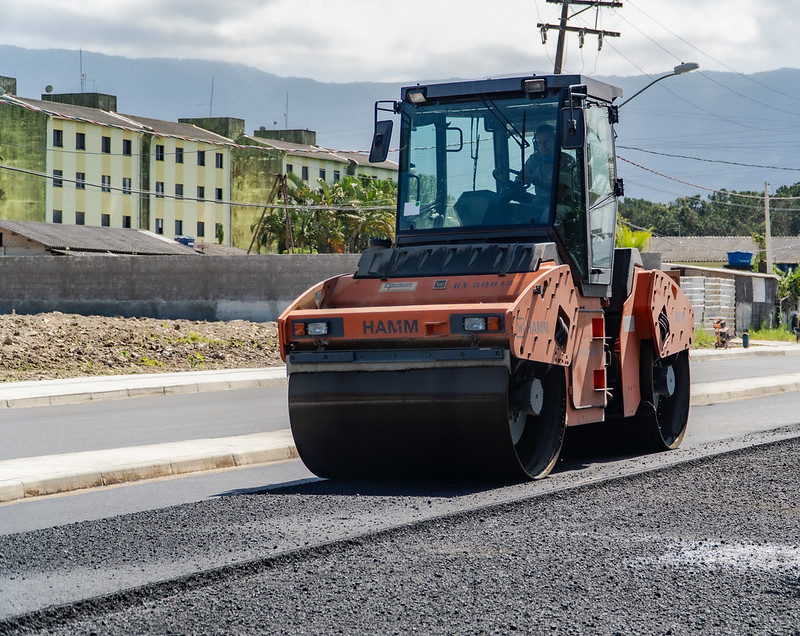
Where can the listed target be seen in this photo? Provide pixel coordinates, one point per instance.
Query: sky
(383, 40)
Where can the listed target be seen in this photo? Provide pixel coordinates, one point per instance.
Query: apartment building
(302, 156)
(74, 159)
(90, 165)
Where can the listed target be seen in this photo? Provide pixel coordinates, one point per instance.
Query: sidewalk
(97, 388)
(44, 475)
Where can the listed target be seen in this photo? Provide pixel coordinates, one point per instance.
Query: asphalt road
(717, 369)
(710, 545)
(45, 430)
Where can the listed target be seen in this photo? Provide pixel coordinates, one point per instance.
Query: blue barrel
(740, 259)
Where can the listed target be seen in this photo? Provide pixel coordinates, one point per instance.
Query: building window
(178, 227)
(80, 180)
(218, 194)
(336, 176)
(304, 173)
(159, 189)
(105, 145)
(201, 192)
(159, 226)
(201, 157)
(219, 160)
(289, 168)
(57, 214)
(126, 221)
(179, 190)
(201, 228)
(80, 141)
(58, 138)
(57, 181)
(322, 173)
(105, 183)
(126, 147)
(105, 220)
(126, 185)
(80, 218)
(159, 152)
(178, 155)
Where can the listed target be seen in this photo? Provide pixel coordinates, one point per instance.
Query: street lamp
(681, 68)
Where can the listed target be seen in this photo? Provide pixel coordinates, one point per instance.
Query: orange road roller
(502, 312)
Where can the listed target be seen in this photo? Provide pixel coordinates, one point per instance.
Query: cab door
(602, 201)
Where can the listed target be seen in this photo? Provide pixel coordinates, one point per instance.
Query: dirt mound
(56, 345)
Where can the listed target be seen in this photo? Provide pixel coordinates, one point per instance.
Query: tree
(338, 217)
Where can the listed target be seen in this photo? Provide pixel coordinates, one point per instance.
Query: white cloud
(373, 40)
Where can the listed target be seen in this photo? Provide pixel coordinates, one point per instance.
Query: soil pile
(56, 345)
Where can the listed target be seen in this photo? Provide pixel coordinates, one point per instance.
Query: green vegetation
(719, 214)
(776, 334)
(333, 218)
(196, 361)
(628, 237)
(704, 339)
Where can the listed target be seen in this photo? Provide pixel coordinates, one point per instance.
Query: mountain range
(685, 135)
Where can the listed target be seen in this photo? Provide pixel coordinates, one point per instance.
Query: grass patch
(704, 339)
(775, 334)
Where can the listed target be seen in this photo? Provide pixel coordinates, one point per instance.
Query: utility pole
(767, 231)
(563, 27)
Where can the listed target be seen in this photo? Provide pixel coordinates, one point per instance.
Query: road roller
(501, 312)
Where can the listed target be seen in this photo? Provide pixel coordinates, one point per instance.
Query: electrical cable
(730, 163)
(163, 195)
(699, 187)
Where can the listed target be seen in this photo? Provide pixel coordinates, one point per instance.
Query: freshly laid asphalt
(51, 474)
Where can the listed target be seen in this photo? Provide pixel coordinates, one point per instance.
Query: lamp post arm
(681, 68)
(642, 90)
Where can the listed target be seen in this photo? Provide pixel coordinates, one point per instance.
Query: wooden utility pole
(257, 229)
(767, 231)
(563, 27)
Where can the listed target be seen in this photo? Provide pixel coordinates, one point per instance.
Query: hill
(722, 118)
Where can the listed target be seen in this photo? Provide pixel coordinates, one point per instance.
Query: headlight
(317, 328)
(475, 323)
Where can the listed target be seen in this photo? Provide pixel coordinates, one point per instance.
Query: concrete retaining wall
(256, 287)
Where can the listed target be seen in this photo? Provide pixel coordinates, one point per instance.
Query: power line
(730, 163)
(163, 195)
(699, 187)
(747, 77)
(708, 77)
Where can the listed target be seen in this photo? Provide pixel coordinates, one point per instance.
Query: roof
(714, 249)
(317, 152)
(100, 240)
(157, 127)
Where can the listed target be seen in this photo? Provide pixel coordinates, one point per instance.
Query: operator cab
(513, 160)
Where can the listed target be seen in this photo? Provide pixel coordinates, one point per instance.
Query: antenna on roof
(83, 77)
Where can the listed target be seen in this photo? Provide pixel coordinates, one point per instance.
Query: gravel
(708, 547)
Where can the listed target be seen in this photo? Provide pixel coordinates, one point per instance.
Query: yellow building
(82, 165)
(73, 159)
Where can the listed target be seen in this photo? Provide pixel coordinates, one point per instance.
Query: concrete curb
(98, 388)
(52, 474)
(724, 391)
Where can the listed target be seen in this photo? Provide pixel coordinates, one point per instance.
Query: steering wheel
(512, 189)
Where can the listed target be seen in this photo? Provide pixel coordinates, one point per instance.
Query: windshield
(484, 164)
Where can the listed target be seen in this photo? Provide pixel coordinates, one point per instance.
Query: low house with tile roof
(31, 238)
(713, 250)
